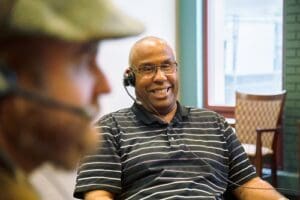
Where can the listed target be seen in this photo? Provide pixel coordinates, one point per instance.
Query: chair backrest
(254, 111)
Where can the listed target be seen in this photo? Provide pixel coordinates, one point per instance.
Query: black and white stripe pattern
(196, 156)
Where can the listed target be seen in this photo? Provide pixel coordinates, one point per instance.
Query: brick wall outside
(291, 58)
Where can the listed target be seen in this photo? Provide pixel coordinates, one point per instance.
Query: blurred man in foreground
(50, 83)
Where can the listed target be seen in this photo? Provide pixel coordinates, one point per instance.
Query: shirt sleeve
(101, 170)
(240, 168)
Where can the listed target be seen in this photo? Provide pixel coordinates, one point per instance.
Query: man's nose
(102, 84)
(159, 74)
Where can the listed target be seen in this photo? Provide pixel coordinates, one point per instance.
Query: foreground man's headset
(9, 86)
(7, 81)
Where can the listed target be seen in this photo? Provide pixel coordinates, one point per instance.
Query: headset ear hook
(129, 77)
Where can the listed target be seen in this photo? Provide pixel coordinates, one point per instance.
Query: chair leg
(258, 165)
(274, 170)
(258, 155)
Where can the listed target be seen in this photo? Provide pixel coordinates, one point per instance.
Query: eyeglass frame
(139, 69)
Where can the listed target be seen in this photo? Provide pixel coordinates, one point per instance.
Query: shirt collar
(148, 118)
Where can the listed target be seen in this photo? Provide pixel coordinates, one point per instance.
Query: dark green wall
(291, 82)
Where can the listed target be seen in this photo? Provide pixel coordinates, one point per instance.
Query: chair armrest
(261, 130)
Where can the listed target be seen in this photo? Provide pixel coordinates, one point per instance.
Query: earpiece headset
(9, 86)
(129, 78)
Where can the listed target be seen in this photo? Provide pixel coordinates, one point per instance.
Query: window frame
(227, 111)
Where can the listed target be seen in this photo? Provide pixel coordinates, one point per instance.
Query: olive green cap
(71, 20)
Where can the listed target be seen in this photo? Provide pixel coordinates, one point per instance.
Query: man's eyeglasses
(150, 70)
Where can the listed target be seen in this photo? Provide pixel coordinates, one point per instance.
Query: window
(243, 46)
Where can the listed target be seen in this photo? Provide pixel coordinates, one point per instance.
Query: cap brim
(74, 20)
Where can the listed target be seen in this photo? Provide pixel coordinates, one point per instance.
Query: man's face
(157, 92)
(70, 76)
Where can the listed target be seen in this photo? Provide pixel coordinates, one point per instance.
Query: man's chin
(69, 157)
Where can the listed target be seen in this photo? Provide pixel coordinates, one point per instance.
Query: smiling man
(156, 84)
(160, 149)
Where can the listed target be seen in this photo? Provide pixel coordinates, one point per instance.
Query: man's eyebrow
(169, 60)
(146, 63)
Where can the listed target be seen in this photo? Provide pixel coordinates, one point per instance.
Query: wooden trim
(223, 110)
(227, 111)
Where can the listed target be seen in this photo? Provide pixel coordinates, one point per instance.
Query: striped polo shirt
(195, 156)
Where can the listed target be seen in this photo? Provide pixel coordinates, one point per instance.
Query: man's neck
(167, 117)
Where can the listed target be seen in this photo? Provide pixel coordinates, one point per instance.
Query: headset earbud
(129, 78)
(8, 80)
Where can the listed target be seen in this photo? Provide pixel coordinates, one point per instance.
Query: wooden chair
(258, 125)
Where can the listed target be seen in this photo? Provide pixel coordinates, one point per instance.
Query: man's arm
(246, 192)
(98, 195)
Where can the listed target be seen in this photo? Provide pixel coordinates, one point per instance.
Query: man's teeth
(161, 91)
